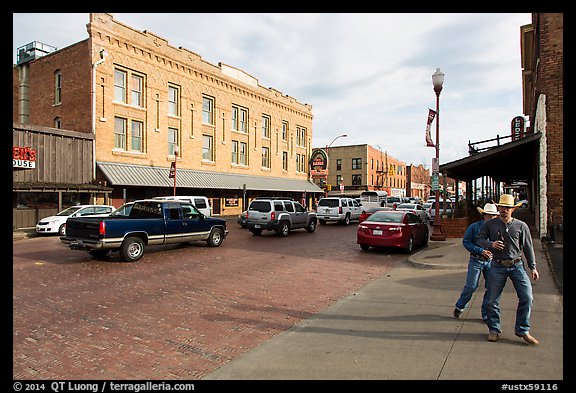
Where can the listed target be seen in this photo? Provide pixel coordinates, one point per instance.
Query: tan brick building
(362, 167)
(151, 106)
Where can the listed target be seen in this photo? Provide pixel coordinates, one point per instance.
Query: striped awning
(138, 175)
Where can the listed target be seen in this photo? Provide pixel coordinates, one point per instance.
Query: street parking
(181, 311)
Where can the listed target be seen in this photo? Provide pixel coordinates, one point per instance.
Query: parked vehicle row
(280, 215)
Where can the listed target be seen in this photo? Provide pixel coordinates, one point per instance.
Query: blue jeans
(475, 268)
(497, 277)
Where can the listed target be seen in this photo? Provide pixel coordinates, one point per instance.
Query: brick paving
(181, 311)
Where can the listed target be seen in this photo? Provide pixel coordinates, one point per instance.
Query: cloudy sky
(367, 75)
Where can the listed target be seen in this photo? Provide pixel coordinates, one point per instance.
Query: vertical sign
(517, 127)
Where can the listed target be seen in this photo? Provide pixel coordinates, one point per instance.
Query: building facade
(354, 168)
(164, 120)
(542, 50)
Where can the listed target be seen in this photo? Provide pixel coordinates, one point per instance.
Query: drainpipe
(103, 54)
(24, 95)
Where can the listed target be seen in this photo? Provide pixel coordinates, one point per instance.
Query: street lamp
(176, 151)
(328, 159)
(437, 81)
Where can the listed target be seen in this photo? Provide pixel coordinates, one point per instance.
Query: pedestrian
(508, 238)
(478, 264)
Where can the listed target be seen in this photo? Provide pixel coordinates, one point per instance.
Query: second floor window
(265, 157)
(338, 164)
(207, 148)
(207, 110)
(173, 99)
(356, 163)
(243, 153)
(235, 152)
(120, 133)
(266, 126)
(172, 139)
(137, 127)
(57, 87)
(356, 180)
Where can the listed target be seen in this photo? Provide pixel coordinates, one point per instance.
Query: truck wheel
(256, 232)
(62, 230)
(311, 227)
(216, 237)
(284, 229)
(99, 253)
(132, 249)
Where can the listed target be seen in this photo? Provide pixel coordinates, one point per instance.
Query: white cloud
(367, 75)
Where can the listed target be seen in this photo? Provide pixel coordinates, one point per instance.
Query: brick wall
(455, 227)
(550, 82)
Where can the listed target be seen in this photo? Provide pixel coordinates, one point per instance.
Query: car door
(174, 224)
(194, 227)
(357, 209)
(300, 215)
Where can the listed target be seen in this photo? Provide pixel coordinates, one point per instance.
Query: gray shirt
(516, 237)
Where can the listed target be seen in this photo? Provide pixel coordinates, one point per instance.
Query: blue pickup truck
(150, 222)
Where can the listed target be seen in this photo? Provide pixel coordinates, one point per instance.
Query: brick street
(181, 311)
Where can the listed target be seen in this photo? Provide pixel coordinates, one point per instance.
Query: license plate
(326, 218)
(257, 226)
(377, 232)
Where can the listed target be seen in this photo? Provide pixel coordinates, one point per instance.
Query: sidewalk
(400, 327)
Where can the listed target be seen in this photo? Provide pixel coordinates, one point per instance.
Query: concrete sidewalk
(400, 327)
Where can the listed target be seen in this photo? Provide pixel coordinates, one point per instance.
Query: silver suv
(280, 215)
(342, 210)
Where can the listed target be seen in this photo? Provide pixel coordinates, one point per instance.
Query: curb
(426, 265)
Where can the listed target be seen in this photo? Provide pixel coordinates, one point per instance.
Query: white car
(57, 223)
(340, 209)
(417, 208)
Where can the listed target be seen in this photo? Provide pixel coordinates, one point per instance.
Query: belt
(508, 262)
(481, 257)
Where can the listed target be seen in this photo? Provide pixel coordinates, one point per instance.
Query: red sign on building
(517, 128)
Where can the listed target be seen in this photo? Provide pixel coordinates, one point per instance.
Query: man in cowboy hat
(508, 238)
(479, 262)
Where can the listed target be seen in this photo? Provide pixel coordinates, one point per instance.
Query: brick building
(543, 101)
(151, 106)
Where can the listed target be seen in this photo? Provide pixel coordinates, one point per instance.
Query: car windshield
(406, 206)
(386, 216)
(328, 202)
(71, 210)
(123, 210)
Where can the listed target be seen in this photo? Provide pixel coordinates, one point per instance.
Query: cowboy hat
(489, 208)
(507, 200)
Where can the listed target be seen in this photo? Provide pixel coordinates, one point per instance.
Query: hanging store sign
(517, 126)
(23, 157)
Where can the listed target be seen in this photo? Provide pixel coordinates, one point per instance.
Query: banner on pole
(431, 115)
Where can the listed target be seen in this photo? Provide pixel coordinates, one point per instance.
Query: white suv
(343, 210)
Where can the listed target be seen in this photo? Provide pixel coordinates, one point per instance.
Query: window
(265, 157)
(239, 118)
(57, 122)
(356, 163)
(119, 86)
(58, 87)
(288, 206)
(207, 148)
(284, 130)
(234, 152)
(120, 133)
(356, 180)
(300, 136)
(172, 139)
(137, 127)
(338, 179)
(285, 160)
(243, 150)
(339, 164)
(173, 99)
(266, 126)
(207, 110)
(136, 86)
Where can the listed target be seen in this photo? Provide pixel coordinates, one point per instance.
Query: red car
(367, 213)
(394, 228)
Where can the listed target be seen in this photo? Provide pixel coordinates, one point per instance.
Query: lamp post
(437, 81)
(176, 151)
(328, 159)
